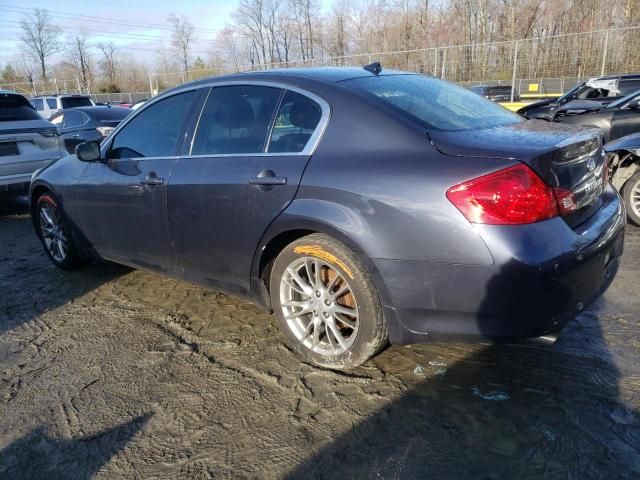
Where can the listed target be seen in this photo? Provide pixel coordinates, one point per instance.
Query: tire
(55, 234)
(631, 189)
(334, 321)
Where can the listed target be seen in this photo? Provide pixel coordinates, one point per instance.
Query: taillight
(513, 196)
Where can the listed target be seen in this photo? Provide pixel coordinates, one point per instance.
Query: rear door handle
(268, 177)
(149, 180)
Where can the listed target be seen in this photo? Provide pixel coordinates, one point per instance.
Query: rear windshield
(110, 113)
(14, 108)
(73, 102)
(432, 103)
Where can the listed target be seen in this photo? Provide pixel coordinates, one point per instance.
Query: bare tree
(182, 38)
(40, 37)
(77, 50)
(108, 63)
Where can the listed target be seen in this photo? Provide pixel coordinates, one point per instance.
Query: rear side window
(37, 103)
(432, 103)
(72, 119)
(236, 119)
(155, 131)
(296, 121)
(15, 108)
(73, 102)
(52, 103)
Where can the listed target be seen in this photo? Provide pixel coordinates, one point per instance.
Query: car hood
(581, 106)
(520, 141)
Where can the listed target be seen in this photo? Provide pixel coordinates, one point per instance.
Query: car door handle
(75, 135)
(152, 181)
(268, 177)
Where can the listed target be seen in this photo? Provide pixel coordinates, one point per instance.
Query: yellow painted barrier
(514, 106)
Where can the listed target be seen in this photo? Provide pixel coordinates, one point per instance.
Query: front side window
(154, 132)
(236, 120)
(433, 103)
(52, 103)
(296, 121)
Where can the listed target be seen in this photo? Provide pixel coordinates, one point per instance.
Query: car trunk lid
(566, 157)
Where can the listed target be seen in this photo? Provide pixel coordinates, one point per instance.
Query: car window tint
(72, 102)
(297, 118)
(15, 108)
(72, 120)
(236, 119)
(52, 103)
(432, 103)
(154, 131)
(628, 86)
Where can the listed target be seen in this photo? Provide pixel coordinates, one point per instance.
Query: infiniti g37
(362, 206)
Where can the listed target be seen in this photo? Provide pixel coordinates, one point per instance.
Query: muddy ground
(109, 372)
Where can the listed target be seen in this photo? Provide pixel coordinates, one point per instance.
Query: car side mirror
(88, 151)
(635, 105)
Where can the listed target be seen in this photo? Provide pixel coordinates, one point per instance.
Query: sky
(140, 26)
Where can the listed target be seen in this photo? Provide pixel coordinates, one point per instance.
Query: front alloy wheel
(326, 303)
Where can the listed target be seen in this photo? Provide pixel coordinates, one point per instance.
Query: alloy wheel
(319, 306)
(52, 230)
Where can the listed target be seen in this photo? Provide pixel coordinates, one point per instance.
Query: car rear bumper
(543, 276)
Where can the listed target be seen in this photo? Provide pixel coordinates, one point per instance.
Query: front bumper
(543, 275)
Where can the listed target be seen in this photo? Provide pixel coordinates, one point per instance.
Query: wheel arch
(286, 229)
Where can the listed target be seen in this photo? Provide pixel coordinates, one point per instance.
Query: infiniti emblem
(591, 164)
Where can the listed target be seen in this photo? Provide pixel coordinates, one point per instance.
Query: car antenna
(374, 68)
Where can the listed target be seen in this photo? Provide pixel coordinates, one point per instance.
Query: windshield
(624, 100)
(432, 103)
(14, 108)
(72, 102)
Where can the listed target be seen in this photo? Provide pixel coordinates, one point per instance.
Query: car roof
(323, 74)
(61, 95)
(97, 108)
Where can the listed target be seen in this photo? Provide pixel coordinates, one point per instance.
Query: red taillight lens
(515, 195)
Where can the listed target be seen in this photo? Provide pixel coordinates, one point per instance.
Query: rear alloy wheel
(55, 235)
(631, 197)
(326, 303)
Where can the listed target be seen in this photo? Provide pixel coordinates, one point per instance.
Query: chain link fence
(535, 68)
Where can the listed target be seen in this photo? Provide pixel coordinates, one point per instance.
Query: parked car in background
(51, 104)
(603, 89)
(84, 124)
(120, 103)
(27, 143)
(616, 119)
(361, 205)
(624, 172)
(497, 93)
